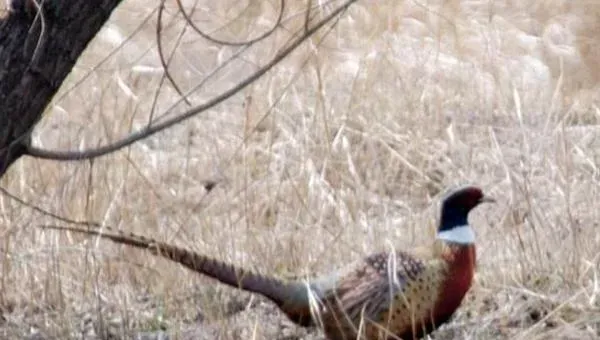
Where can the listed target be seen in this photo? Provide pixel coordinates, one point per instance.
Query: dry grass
(341, 150)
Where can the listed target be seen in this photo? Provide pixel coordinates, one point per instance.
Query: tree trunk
(38, 50)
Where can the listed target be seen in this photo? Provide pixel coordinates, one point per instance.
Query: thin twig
(233, 43)
(164, 62)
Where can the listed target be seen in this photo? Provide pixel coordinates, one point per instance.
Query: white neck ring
(461, 234)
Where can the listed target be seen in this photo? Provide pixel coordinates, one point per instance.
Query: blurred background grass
(342, 149)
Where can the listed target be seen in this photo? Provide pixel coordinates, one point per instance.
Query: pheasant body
(387, 295)
(406, 294)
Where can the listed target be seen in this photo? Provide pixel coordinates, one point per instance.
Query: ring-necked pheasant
(387, 295)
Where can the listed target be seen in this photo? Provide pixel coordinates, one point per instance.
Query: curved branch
(229, 43)
(215, 71)
(151, 130)
(163, 60)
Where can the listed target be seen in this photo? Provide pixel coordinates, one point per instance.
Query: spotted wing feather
(381, 296)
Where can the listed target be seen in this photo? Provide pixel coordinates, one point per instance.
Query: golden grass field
(341, 150)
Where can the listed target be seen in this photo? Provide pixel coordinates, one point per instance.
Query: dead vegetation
(339, 151)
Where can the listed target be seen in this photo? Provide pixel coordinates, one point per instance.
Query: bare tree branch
(151, 130)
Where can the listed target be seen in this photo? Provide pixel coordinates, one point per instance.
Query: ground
(343, 149)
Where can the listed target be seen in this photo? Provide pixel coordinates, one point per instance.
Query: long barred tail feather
(291, 297)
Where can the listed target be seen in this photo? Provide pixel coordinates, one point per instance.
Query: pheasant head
(454, 226)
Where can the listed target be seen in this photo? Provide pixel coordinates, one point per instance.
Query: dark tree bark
(38, 49)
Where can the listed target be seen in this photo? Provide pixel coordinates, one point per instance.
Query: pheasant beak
(487, 199)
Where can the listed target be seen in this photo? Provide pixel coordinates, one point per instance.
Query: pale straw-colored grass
(341, 150)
